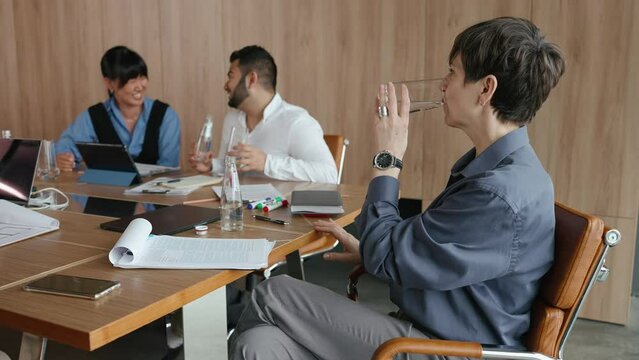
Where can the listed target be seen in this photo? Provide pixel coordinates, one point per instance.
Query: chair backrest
(581, 244)
(337, 145)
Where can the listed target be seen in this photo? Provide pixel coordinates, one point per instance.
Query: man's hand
(391, 132)
(348, 241)
(249, 158)
(204, 166)
(66, 161)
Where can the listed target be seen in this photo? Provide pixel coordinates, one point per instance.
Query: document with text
(254, 192)
(137, 248)
(19, 223)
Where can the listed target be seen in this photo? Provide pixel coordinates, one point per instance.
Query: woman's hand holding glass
(391, 131)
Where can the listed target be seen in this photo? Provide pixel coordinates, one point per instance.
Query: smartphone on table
(75, 286)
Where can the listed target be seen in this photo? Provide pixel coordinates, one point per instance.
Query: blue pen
(254, 204)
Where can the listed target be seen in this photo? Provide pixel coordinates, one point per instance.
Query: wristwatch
(384, 160)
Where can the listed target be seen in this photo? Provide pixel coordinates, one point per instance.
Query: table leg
(32, 347)
(294, 265)
(204, 322)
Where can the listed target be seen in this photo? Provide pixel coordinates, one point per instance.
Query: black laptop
(18, 163)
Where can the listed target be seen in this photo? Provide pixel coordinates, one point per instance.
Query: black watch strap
(398, 163)
(384, 160)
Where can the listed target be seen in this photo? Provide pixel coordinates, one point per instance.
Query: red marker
(277, 205)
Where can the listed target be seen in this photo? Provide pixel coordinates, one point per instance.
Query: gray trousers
(290, 319)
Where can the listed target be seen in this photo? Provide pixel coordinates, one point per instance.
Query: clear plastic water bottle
(231, 200)
(204, 142)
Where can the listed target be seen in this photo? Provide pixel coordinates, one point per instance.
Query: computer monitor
(18, 162)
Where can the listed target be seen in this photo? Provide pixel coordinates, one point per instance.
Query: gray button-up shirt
(468, 268)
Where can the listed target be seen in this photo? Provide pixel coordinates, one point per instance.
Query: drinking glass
(424, 94)
(239, 135)
(47, 165)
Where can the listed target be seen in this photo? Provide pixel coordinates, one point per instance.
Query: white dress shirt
(292, 140)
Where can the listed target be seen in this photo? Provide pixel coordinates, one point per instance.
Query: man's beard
(239, 94)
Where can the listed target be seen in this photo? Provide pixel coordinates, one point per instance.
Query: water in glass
(424, 94)
(231, 215)
(231, 200)
(47, 166)
(204, 142)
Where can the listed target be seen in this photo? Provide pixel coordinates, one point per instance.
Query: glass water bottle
(204, 142)
(231, 200)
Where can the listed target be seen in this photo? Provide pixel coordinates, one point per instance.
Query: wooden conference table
(80, 248)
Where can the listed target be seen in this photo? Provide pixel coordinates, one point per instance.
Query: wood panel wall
(586, 135)
(331, 56)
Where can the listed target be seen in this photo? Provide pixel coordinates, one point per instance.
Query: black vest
(106, 132)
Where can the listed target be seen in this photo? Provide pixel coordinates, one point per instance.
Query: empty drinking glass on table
(424, 94)
(47, 165)
(231, 198)
(204, 142)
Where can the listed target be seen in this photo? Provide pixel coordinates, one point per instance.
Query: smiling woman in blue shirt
(468, 267)
(150, 129)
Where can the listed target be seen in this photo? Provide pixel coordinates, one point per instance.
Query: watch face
(384, 160)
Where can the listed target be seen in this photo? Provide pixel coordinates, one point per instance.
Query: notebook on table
(191, 181)
(316, 202)
(136, 248)
(168, 220)
(150, 169)
(19, 223)
(18, 163)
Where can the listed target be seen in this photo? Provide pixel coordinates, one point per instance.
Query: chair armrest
(395, 346)
(353, 278)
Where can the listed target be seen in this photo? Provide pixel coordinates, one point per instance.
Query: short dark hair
(526, 66)
(122, 64)
(256, 58)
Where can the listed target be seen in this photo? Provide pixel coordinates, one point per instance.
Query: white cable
(46, 203)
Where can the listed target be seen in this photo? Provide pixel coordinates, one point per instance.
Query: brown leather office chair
(581, 244)
(337, 144)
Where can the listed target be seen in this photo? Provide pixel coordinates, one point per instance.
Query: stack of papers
(18, 223)
(254, 192)
(136, 248)
(173, 186)
(149, 169)
(190, 181)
